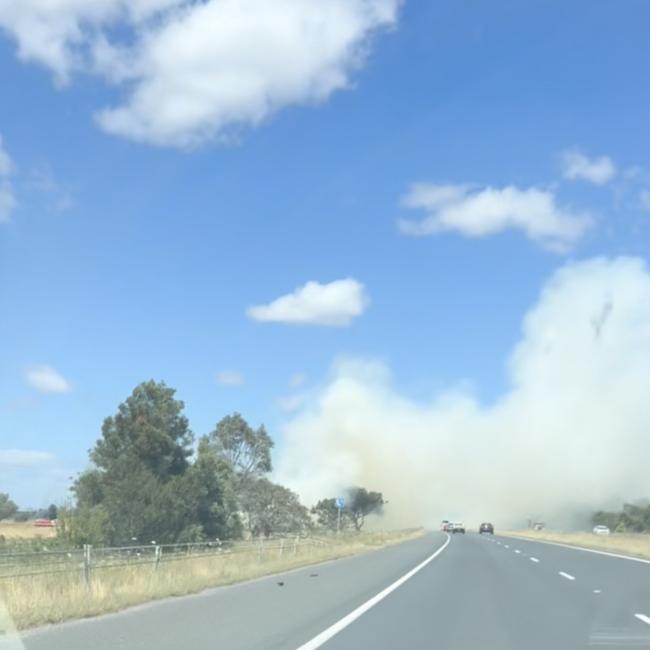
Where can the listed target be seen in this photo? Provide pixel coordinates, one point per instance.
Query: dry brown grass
(625, 543)
(37, 600)
(25, 530)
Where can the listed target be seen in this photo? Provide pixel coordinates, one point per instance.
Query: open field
(626, 543)
(25, 530)
(50, 598)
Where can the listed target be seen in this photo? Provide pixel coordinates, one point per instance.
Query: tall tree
(7, 507)
(362, 503)
(327, 515)
(247, 450)
(143, 487)
(150, 427)
(270, 508)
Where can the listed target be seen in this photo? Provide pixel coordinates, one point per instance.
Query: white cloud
(230, 378)
(577, 166)
(194, 69)
(334, 305)
(568, 434)
(47, 380)
(60, 33)
(644, 199)
(24, 458)
(8, 201)
(482, 211)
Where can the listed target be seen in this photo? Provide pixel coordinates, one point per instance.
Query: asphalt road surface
(471, 592)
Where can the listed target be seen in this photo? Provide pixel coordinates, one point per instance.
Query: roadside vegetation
(151, 482)
(635, 544)
(51, 598)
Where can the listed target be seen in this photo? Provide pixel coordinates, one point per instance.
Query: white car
(601, 530)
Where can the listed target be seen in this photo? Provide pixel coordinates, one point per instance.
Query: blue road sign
(340, 503)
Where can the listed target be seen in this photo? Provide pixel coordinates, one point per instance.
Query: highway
(455, 593)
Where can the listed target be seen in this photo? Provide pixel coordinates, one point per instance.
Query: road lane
(256, 615)
(621, 585)
(478, 592)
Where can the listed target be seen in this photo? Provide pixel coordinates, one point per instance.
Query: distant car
(457, 527)
(601, 530)
(486, 528)
(444, 525)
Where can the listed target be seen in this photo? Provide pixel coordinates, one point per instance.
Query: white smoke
(571, 433)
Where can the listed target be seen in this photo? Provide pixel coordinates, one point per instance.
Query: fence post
(281, 546)
(87, 566)
(295, 544)
(259, 550)
(157, 556)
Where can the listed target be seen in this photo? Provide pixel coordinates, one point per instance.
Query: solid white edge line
(534, 559)
(643, 617)
(568, 576)
(580, 548)
(341, 624)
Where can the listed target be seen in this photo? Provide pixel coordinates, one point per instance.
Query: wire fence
(89, 559)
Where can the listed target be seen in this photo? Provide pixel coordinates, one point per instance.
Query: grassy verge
(23, 530)
(627, 544)
(37, 600)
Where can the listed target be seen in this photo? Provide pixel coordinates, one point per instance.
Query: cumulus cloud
(8, 201)
(334, 305)
(60, 33)
(47, 380)
(577, 166)
(230, 378)
(482, 211)
(17, 458)
(569, 434)
(194, 69)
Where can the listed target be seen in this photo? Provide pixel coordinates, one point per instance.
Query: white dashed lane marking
(534, 559)
(643, 617)
(568, 576)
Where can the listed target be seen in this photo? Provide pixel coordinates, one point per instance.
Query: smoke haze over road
(571, 433)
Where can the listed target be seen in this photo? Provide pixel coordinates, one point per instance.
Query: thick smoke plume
(571, 433)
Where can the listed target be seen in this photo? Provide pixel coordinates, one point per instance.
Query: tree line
(149, 480)
(9, 510)
(633, 518)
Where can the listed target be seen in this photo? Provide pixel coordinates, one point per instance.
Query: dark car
(486, 528)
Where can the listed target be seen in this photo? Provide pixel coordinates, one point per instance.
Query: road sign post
(340, 504)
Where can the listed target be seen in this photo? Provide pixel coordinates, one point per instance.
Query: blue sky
(132, 254)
